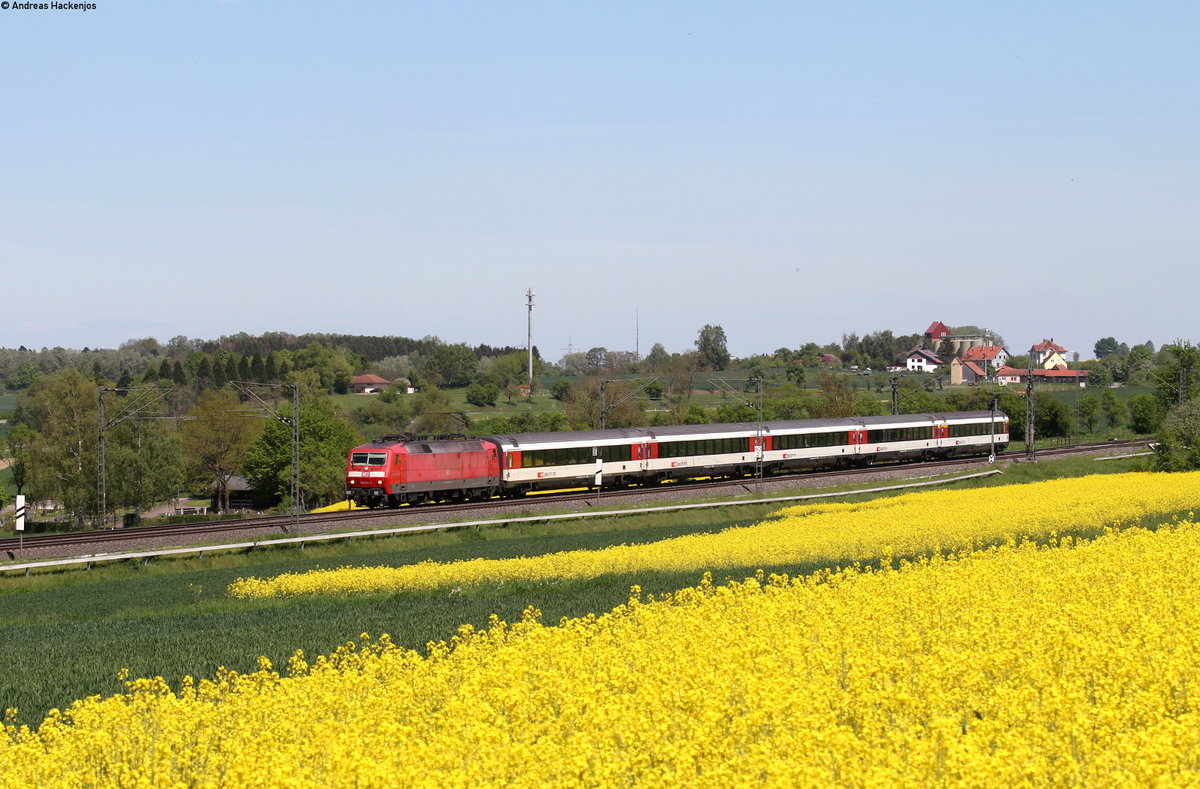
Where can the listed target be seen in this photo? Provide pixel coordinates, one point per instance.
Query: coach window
(614, 454)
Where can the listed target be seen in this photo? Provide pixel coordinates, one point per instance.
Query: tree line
(205, 429)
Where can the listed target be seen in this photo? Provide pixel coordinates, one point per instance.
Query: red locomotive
(398, 471)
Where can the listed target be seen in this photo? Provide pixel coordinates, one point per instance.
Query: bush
(1178, 442)
(1145, 414)
(483, 394)
(561, 389)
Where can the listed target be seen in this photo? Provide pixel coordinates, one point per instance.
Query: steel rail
(314, 520)
(200, 550)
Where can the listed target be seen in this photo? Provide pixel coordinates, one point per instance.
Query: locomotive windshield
(368, 458)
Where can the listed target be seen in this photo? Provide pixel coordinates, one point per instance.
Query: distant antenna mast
(529, 337)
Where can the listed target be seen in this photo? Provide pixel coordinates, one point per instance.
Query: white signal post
(599, 471)
(19, 524)
(992, 406)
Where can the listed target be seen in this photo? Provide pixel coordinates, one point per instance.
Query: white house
(921, 360)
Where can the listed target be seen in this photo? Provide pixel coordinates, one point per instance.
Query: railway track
(324, 522)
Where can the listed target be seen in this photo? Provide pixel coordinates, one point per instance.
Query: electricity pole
(760, 428)
(1030, 449)
(529, 334)
(141, 402)
(294, 423)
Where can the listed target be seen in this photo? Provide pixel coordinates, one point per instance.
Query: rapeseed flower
(1071, 664)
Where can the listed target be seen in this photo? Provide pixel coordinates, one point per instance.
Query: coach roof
(636, 435)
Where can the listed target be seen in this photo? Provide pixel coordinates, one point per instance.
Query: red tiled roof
(368, 380)
(982, 353)
(1038, 373)
(1045, 346)
(937, 330)
(975, 368)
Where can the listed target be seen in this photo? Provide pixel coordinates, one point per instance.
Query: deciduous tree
(583, 405)
(144, 462)
(1145, 413)
(836, 398)
(1089, 411)
(20, 443)
(657, 357)
(215, 439)
(1107, 346)
(711, 347)
(325, 440)
(62, 414)
(1116, 415)
(1177, 444)
(1178, 377)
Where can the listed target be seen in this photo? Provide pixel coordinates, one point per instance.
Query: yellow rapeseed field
(907, 525)
(1068, 665)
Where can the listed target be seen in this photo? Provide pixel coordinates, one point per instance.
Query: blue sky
(790, 171)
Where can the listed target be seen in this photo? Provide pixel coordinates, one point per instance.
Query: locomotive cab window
(368, 458)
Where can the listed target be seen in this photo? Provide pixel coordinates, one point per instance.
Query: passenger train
(412, 470)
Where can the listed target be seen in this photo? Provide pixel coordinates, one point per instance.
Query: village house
(368, 384)
(993, 356)
(966, 372)
(936, 332)
(1061, 375)
(921, 360)
(1047, 355)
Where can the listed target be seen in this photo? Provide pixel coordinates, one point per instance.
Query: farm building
(369, 384)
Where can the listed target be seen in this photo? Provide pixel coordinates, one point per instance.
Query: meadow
(923, 578)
